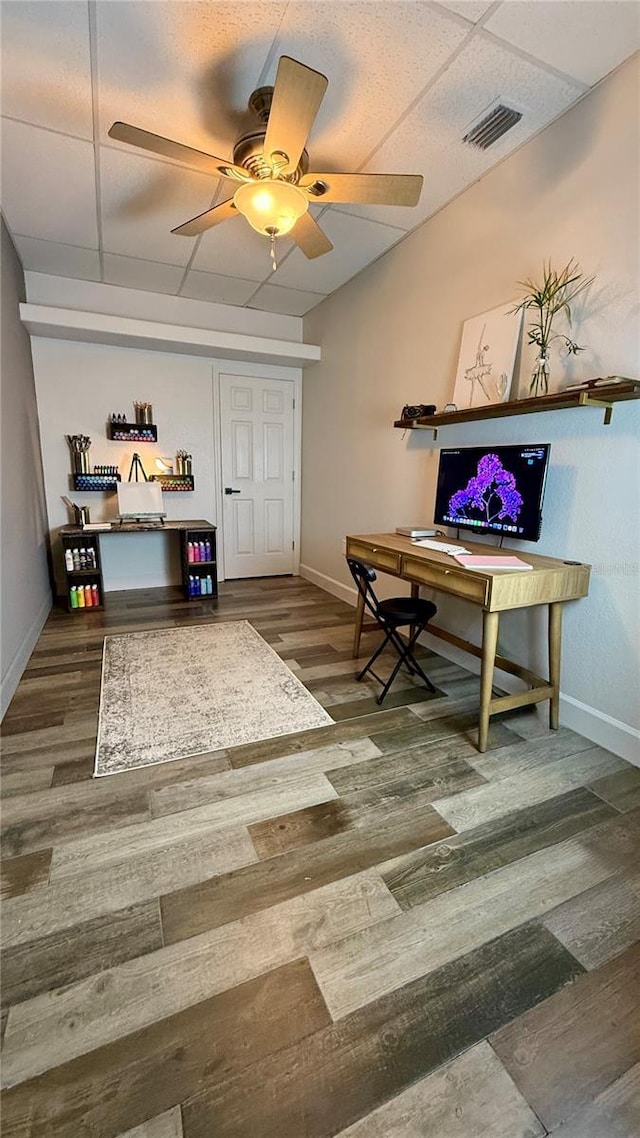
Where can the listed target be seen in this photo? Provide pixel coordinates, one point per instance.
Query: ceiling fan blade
(208, 163)
(308, 235)
(297, 95)
(369, 189)
(207, 220)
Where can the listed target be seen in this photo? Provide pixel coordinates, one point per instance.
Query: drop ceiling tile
(134, 273)
(143, 200)
(286, 301)
(377, 57)
(183, 70)
(46, 71)
(356, 243)
(582, 38)
(472, 10)
(234, 247)
(217, 288)
(58, 260)
(48, 185)
(483, 71)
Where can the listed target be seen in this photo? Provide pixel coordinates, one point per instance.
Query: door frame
(256, 371)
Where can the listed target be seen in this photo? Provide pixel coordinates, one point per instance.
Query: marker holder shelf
(132, 432)
(95, 481)
(174, 482)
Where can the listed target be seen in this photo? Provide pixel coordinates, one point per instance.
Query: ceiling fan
(272, 166)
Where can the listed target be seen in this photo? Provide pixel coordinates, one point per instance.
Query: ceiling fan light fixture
(272, 208)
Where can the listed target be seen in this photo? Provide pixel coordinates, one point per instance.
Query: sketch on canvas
(487, 357)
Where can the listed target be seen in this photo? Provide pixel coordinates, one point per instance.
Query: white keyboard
(441, 546)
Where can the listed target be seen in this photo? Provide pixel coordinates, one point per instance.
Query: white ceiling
(406, 79)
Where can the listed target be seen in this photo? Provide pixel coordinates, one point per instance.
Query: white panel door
(256, 417)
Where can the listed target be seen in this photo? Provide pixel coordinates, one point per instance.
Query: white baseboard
(345, 593)
(602, 729)
(13, 674)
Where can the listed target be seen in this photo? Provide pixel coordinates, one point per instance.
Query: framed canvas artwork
(487, 357)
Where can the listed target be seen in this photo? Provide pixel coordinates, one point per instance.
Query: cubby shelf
(603, 397)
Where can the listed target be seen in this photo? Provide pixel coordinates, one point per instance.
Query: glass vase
(540, 377)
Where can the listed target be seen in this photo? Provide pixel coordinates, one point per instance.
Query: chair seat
(406, 610)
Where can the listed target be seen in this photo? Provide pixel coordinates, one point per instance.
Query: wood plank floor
(367, 931)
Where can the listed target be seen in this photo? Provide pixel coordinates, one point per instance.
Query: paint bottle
(209, 586)
(95, 593)
(190, 552)
(88, 598)
(73, 597)
(75, 554)
(207, 549)
(80, 596)
(68, 560)
(203, 551)
(196, 551)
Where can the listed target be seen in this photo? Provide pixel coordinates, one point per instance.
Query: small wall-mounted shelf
(132, 432)
(95, 481)
(170, 482)
(603, 396)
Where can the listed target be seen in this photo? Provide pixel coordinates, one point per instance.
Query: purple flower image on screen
(492, 492)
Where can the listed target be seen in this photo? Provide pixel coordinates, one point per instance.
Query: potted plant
(553, 294)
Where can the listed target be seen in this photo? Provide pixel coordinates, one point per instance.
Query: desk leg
(415, 594)
(555, 642)
(358, 628)
(490, 623)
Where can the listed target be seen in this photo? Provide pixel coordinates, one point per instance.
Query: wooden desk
(550, 582)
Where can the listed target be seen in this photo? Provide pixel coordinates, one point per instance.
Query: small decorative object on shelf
(555, 293)
(143, 412)
(79, 452)
(173, 481)
(184, 462)
(416, 410)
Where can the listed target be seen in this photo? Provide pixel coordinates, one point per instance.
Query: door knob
(228, 490)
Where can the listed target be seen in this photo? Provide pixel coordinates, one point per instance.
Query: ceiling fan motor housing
(249, 153)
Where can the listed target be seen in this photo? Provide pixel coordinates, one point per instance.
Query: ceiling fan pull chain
(274, 263)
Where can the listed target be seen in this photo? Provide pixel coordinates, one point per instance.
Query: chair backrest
(363, 576)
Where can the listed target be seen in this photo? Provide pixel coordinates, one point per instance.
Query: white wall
(78, 386)
(392, 336)
(112, 300)
(25, 590)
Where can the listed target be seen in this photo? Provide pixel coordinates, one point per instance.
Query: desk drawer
(380, 558)
(459, 582)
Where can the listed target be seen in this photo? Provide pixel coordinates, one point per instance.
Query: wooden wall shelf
(603, 396)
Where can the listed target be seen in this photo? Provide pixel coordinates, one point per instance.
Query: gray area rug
(186, 691)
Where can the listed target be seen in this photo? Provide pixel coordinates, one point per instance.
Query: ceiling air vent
(492, 126)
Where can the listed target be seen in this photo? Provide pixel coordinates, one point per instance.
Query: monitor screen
(493, 489)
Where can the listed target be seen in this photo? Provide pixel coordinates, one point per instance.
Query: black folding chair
(392, 615)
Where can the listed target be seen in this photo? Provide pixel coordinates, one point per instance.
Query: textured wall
(26, 595)
(392, 336)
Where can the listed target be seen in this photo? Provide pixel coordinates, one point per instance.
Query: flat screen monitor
(493, 489)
